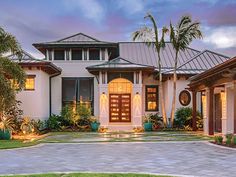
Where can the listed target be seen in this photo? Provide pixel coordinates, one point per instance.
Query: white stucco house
(116, 79)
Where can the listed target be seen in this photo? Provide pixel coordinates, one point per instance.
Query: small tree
(9, 71)
(181, 36)
(151, 38)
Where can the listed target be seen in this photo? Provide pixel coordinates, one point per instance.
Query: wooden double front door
(120, 107)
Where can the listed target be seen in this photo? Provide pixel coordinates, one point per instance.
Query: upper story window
(103, 54)
(30, 82)
(94, 54)
(59, 55)
(49, 54)
(76, 54)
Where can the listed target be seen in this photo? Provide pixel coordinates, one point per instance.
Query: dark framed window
(184, 98)
(151, 98)
(94, 54)
(76, 54)
(50, 54)
(78, 91)
(59, 55)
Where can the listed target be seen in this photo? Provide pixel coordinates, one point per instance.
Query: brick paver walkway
(180, 158)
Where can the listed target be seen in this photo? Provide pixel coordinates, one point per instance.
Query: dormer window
(94, 54)
(59, 55)
(76, 54)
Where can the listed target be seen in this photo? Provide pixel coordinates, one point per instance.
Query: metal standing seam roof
(78, 38)
(118, 63)
(191, 61)
(29, 60)
(139, 52)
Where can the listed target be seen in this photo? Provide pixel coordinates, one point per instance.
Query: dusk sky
(34, 21)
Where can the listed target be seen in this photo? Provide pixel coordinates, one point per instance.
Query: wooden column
(210, 110)
(194, 114)
(234, 108)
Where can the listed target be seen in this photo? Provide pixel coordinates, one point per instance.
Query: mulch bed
(225, 145)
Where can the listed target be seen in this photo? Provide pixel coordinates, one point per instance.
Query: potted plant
(6, 127)
(147, 123)
(94, 124)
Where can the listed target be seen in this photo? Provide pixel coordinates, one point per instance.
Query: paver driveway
(180, 158)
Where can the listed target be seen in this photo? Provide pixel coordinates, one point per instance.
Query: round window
(184, 98)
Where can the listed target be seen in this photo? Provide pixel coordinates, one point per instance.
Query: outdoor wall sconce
(137, 93)
(103, 93)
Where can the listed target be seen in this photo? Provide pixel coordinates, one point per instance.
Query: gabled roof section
(76, 39)
(119, 63)
(202, 62)
(139, 52)
(28, 60)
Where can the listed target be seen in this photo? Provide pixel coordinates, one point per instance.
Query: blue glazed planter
(95, 126)
(5, 135)
(147, 126)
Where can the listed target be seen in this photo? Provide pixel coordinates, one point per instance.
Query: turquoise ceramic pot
(5, 135)
(148, 126)
(95, 126)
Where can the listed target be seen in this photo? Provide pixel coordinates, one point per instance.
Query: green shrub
(234, 140)
(183, 118)
(218, 139)
(156, 119)
(83, 111)
(54, 123)
(229, 138)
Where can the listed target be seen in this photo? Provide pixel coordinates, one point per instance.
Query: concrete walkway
(179, 158)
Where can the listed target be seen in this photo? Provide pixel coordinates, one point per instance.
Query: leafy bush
(27, 125)
(54, 122)
(183, 118)
(218, 139)
(157, 120)
(83, 111)
(234, 140)
(229, 138)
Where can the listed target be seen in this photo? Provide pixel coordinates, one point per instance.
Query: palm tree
(150, 37)
(181, 36)
(9, 70)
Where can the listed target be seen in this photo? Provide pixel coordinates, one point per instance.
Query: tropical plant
(229, 139)
(218, 139)
(27, 125)
(6, 123)
(94, 119)
(181, 36)
(234, 140)
(9, 70)
(183, 118)
(150, 36)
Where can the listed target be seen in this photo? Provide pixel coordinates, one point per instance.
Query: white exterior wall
(35, 103)
(182, 84)
(72, 69)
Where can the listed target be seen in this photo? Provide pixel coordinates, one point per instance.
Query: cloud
(91, 9)
(222, 37)
(130, 6)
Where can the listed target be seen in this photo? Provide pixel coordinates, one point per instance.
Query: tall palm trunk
(163, 110)
(174, 90)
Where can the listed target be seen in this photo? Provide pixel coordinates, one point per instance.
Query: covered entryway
(120, 100)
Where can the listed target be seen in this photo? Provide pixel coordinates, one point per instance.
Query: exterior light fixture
(103, 93)
(137, 93)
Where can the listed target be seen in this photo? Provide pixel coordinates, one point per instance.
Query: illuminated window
(152, 98)
(30, 82)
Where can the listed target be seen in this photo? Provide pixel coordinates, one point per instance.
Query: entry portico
(120, 93)
(218, 88)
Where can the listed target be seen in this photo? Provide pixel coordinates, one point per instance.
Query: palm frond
(144, 34)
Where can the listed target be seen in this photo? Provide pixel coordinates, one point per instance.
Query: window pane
(29, 83)
(85, 90)
(76, 54)
(59, 55)
(103, 54)
(94, 54)
(68, 90)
